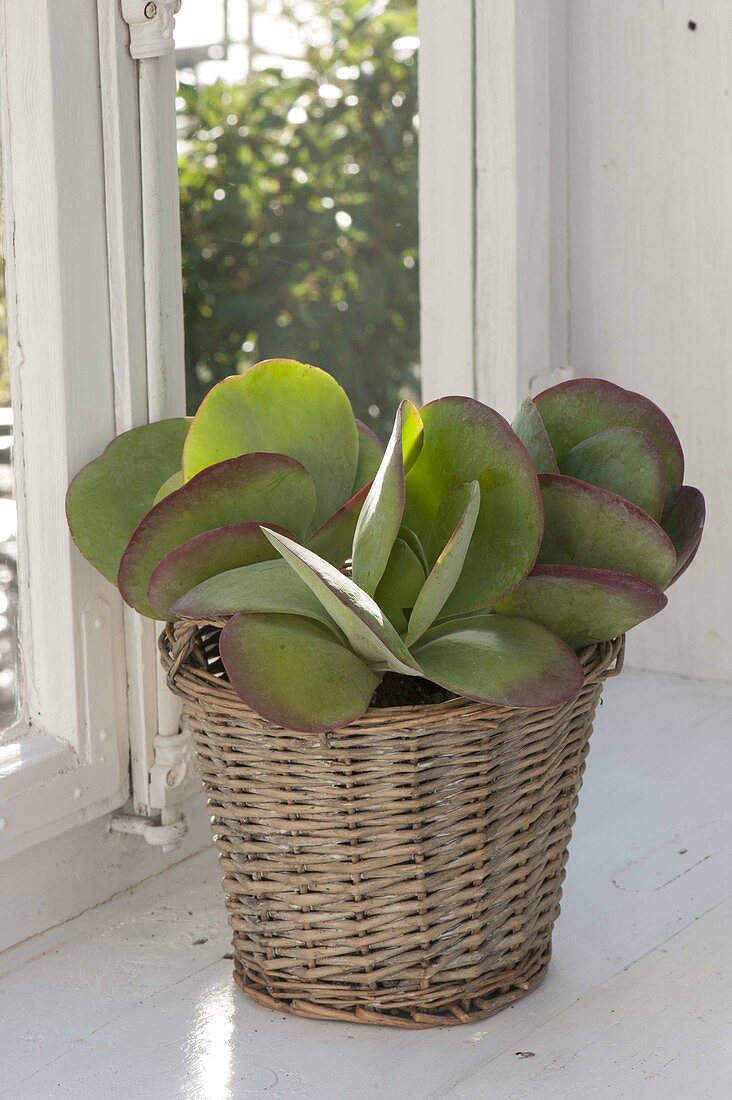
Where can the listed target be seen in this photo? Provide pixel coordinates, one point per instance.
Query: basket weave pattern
(405, 870)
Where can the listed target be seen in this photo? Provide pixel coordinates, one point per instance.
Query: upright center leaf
(381, 516)
(369, 632)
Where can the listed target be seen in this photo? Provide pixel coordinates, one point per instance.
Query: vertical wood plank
(650, 179)
(521, 198)
(446, 196)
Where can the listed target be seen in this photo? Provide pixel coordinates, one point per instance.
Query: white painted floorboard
(123, 1003)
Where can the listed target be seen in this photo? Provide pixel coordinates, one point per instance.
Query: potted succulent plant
(390, 662)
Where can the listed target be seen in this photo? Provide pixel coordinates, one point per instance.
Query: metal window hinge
(151, 24)
(165, 830)
(172, 770)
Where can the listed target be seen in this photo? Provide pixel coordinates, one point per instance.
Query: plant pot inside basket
(405, 870)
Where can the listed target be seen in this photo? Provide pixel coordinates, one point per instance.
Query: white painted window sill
(134, 998)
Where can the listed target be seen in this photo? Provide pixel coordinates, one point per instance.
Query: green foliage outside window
(299, 214)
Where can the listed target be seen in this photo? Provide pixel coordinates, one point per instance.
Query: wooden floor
(134, 999)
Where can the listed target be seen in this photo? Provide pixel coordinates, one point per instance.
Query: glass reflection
(298, 165)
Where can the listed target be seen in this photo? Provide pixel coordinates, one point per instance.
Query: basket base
(447, 1015)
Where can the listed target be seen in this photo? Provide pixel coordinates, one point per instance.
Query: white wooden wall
(583, 216)
(650, 263)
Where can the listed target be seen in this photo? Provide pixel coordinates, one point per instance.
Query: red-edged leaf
(267, 586)
(283, 407)
(582, 605)
(334, 539)
(509, 662)
(684, 525)
(204, 556)
(581, 407)
(586, 525)
(624, 461)
(108, 498)
(295, 673)
(266, 488)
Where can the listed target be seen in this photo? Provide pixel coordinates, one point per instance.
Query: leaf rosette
(466, 552)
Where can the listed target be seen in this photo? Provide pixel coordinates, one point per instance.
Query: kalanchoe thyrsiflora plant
(451, 523)
(261, 512)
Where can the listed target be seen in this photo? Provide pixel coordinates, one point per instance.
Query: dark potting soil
(396, 690)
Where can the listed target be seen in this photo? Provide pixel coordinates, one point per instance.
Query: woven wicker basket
(405, 870)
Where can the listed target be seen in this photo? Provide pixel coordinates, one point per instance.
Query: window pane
(298, 162)
(8, 519)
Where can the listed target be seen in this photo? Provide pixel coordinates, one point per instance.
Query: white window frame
(95, 347)
(96, 327)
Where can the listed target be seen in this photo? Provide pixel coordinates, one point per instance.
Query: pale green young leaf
(369, 632)
(401, 584)
(381, 514)
(442, 578)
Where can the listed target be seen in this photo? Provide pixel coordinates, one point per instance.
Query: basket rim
(177, 645)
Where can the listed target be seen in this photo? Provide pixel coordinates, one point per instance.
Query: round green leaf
(508, 662)
(262, 488)
(204, 556)
(466, 441)
(582, 605)
(108, 498)
(684, 526)
(364, 624)
(370, 454)
(529, 427)
(264, 586)
(281, 407)
(586, 525)
(624, 461)
(575, 410)
(294, 672)
(400, 585)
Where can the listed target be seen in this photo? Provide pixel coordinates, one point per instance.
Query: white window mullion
(446, 197)
(521, 215)
(493, 198)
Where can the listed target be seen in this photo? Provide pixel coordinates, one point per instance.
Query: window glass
(298, 135)
(8, 519)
